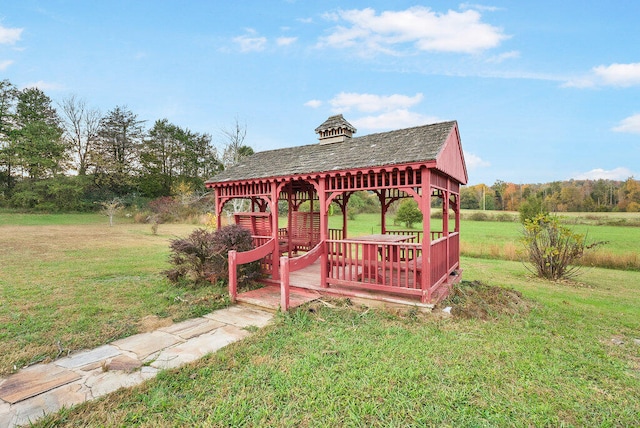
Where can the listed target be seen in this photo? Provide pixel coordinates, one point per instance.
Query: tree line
(70, 157)
(558, 196)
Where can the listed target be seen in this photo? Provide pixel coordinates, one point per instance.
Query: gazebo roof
(403, 146)
(335, 122)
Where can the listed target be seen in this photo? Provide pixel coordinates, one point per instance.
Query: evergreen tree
(39, 148)
(118, 149)
(8, 99)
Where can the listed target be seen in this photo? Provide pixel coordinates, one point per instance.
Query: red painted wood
(284, 283)
(382, 266)
(233, 276)
(451, 160)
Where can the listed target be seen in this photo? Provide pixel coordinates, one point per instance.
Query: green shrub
(531, 208)
(553, 249)
(504, 217)
(409, 213)
(479, 216)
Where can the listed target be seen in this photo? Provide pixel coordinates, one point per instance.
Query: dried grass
(477, 300)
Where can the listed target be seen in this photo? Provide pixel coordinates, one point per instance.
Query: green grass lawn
(72, 283)
(570, 360)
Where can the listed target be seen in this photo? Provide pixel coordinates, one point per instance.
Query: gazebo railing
(335, 234)
(391, 267)
(445, 258)
(240, 258)
(288, 265)
(375, 266)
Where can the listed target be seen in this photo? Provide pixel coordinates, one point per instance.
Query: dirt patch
(477, 300)
(153, 322)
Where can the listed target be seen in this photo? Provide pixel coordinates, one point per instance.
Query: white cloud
(286, 41)
(305, 20)
(460, 32)
(620, 173)
(464, 6)
(313, 103)
(9, 36)
(621, 75)
(474, 161)
(394, 119)
(251, 42)
(630, 125)
(369, 103)
(5, 64)
(382, 111)
(579, 82)
(497, 59)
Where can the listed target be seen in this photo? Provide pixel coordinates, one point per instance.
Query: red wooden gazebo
(425, 163)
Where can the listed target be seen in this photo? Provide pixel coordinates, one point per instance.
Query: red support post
(233, 275)
(445, 222)
(425, 207)
(284, 283)
(324, 229)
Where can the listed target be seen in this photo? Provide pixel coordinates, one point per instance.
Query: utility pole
(484, 200)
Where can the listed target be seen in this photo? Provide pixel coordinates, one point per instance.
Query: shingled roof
(335, 122)
(418, 144)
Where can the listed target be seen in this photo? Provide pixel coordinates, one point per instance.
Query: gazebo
(425, 163)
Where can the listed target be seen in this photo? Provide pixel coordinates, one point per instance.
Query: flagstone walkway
(45, 388)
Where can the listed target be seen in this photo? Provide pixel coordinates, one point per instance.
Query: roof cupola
(335, 130)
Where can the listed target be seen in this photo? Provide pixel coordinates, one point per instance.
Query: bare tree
(111, 208)
(234, 144)
(234, 151)
(81, 125)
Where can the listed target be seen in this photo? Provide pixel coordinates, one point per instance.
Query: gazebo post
(445, 219)
(345, 202)
(275, 274)
(324, 229)
(382, 196)
(425, 208)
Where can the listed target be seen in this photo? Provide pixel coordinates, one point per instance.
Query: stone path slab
(146, 344)
(88, 357)
(33, 381)
(123, 363)
(198, 347)
(192, 328)
(107, 382)
(241, 316)
(45, 388)
(50, 402)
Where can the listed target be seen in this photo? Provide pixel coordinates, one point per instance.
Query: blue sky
(542, 90)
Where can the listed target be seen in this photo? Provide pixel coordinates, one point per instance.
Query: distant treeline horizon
(558, 196)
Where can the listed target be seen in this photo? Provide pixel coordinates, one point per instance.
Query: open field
(69, 283)
(500, 240)
(570, 357)
(586, 218)
(65, 287)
